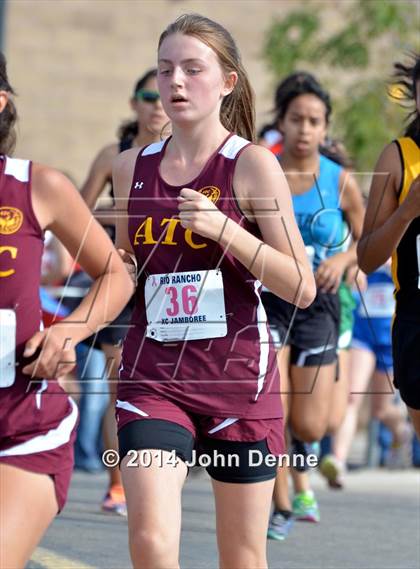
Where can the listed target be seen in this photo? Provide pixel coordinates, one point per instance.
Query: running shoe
(114, 501)
(332, 470)
(305, 507)
(279, 526)
(399, 456)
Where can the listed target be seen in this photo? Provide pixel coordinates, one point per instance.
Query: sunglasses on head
(147, 96)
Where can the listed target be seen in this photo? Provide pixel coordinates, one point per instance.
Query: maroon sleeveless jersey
(222, 376)
(35, 416)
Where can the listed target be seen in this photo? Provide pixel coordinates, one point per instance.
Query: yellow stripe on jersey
(394, 271)
(411, 157)
(410, 170)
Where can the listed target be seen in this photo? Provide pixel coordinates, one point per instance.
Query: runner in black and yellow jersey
(392, 227)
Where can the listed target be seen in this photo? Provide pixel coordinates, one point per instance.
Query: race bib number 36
(185, 306)
(7, 347)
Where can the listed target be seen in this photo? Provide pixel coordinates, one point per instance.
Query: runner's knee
(309, 431)
(153, 548)
(242, 555)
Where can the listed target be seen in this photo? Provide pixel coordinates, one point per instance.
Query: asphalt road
(373, 524)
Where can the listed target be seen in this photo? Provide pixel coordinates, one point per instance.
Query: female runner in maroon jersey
(198, 367)
(37, 418)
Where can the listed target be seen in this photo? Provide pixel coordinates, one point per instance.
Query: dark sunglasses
(147, 96)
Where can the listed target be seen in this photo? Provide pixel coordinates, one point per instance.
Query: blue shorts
(374, 335)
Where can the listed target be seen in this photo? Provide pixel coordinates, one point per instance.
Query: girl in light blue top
(324, 197)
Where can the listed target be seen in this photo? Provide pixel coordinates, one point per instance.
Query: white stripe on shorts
(129, 407)
(226, 423)
(54, 438)
(44, 387)
(306, 353)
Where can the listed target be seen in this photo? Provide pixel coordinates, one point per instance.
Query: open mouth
(178, 99)
(302, 144)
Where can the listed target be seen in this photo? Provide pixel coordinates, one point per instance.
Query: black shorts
(312, 333)
(116, 332)
(406, 356)
(232, 461)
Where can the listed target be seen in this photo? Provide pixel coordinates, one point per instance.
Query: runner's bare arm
(99, 174)
(354, 212)
(385, 223)
(122, 176)
(72, 223)
(279, 260)
(330, 272)
(352, 204)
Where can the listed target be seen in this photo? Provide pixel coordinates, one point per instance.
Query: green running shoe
(305, 507)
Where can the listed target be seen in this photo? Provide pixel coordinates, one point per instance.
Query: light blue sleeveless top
(319, 216)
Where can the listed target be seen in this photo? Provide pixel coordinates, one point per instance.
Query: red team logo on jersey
(11, 220)
(211, 192)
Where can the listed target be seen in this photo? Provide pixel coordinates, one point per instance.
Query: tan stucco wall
(74, 63)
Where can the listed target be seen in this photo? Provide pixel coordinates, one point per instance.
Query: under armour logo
(138, 185)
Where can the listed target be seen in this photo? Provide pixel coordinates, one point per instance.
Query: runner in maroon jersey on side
(37, 418)
(147, 127)
(209, 219)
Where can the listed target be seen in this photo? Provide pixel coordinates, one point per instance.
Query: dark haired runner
(392, 228)
(147, 127)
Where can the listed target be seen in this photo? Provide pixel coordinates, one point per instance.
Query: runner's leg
(340, 393)
(114, 500)
(281, 488)
(383, 407)
(113, 361)
(242, 512)
(415, 417)
(312, 389)
(393, 415)
(362, 364)
(154, 511)
(28, 504)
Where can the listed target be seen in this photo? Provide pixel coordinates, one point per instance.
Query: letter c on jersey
(13, 253)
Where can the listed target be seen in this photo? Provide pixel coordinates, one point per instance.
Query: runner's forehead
(307, 104)
(180, 47)
(183, 61)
